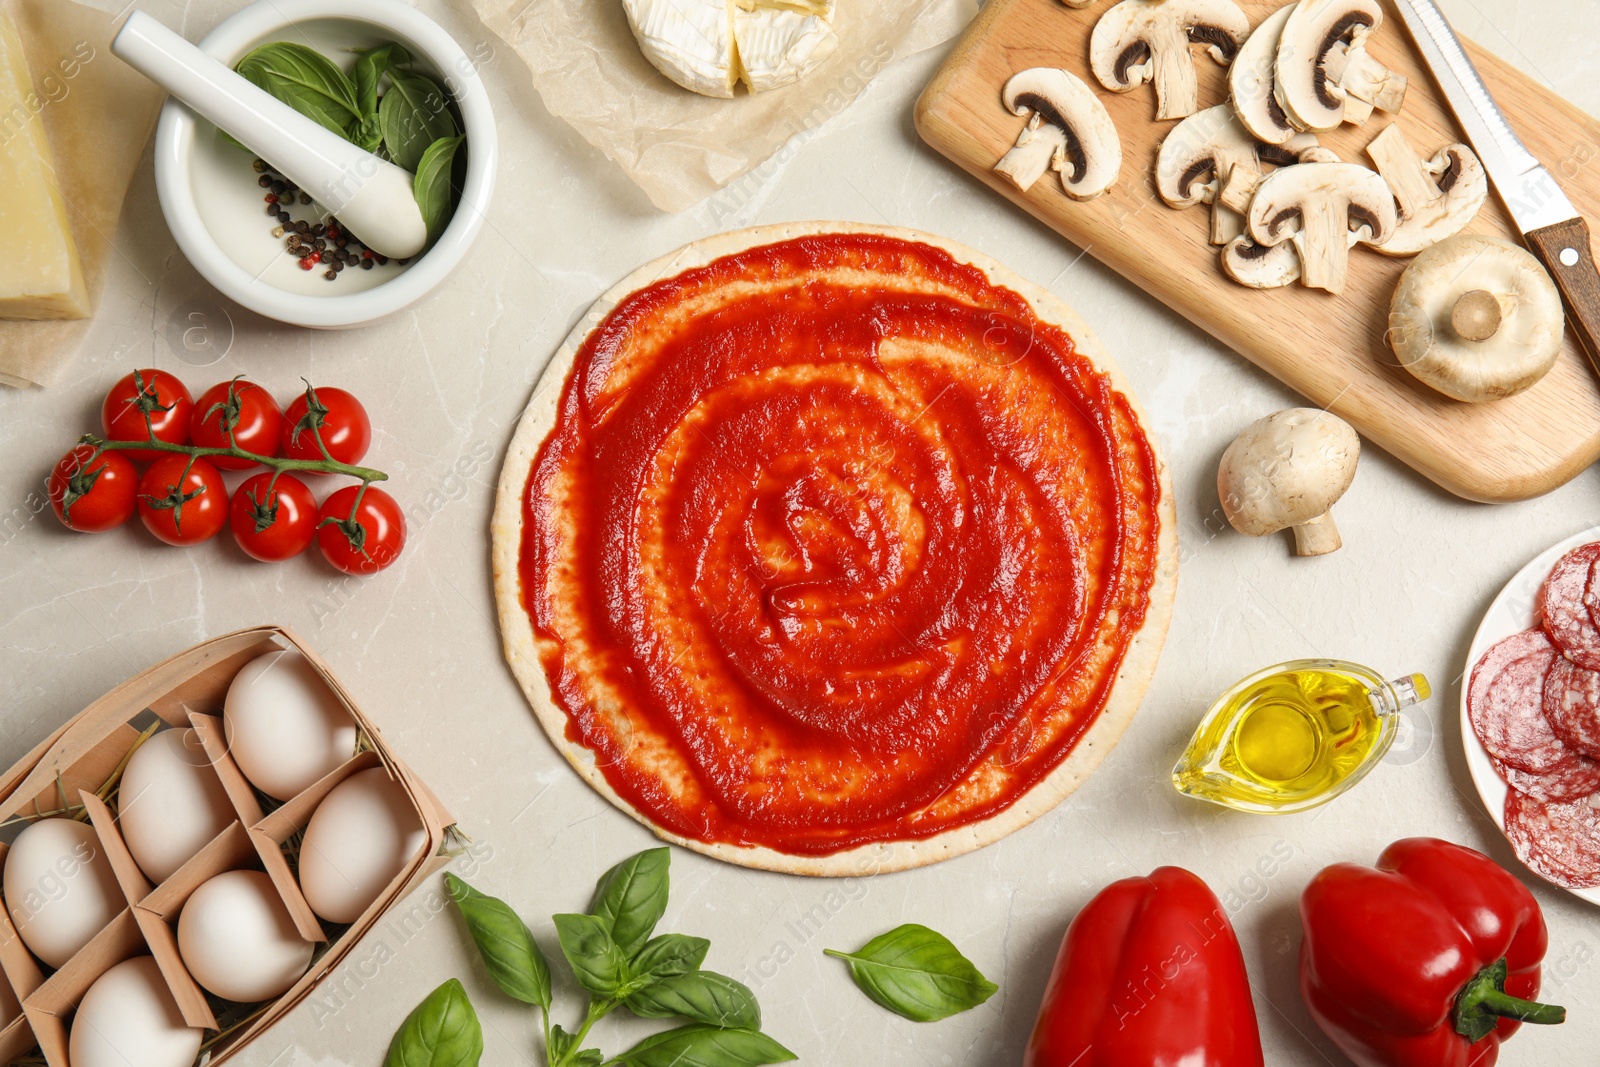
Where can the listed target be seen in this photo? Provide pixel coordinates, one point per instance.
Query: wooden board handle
(1564, 248)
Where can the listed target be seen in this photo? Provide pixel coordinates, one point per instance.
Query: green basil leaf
(306, 80)
(508, 949)
(369, 71)
(631, 897)
(433, 188)
(705, 1046)
(699, 996)
(367, 134)
(589, 1057)
(414, 113)
(443, 1031)
(597, 962)
(560, 1042)
(917, 973)
(668, 955)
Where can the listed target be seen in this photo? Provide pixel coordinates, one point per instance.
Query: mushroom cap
(1198, 153)
(1286, 469)
(1093, 150)
(1311, 100)
(1523, 348)
(1260, 266)
(1121, 46)
(1283, 197)
(1250, 81)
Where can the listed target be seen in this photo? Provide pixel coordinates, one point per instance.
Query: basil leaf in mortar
(306, 80)
(508, 949)
(597, 963)
(705, 1046)
(917, 973)
(369, 71)
(443, 1031)
(701, 997)
(631, 897)
(433, 188)
(413, 114)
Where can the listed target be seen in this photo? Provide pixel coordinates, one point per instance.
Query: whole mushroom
(1286, 471)
(1477, 318)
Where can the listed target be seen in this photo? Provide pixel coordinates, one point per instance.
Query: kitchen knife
(1550, 225)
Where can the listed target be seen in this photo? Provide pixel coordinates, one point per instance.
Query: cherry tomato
(93, 493)
(337, 416)
(273, 522)
(255, 418)
(183, 508)
(371, 540)
(162, 396)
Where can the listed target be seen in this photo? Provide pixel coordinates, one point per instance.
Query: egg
(170, 803)
(360, 837)
(238, 941)
(128, 1016)
(285, 727)
(59, 888)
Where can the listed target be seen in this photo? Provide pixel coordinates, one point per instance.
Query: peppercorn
(264, 181)
(383, 261)
(330, 274)
(277, 231)
(404, 261)
(283, 217)
(305, 198)
(302, 226)
(259, 164)
(306, 264)
(319, 229)
(366, 264)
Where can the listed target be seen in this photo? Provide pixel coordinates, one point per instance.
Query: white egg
(129, 1017)
(238, 940)
(171, 802)
(285, 727)
(59, 888)
(360, 837)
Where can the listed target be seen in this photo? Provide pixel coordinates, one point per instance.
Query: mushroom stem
(1316, 537)
(1475, 315)
(1038, 147)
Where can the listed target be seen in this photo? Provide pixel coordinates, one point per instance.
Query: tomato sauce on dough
(834, 541)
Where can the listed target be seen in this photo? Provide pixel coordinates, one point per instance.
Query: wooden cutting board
(1329, 348)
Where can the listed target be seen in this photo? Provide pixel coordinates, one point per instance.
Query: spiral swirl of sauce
(834, 541)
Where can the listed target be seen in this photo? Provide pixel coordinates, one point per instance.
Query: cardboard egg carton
(71, 767)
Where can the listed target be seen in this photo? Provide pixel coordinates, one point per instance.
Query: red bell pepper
(1431, 959)
(1149, 975)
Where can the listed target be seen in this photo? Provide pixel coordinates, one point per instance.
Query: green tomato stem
(278, 464)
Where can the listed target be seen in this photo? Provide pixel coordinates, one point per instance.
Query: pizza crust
(1133, 676)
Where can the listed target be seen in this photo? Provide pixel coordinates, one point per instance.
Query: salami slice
(1573, 778)
(1563, 610)
(1506, 703)
(1591, 593)
(1572, 704)
(1559, 839)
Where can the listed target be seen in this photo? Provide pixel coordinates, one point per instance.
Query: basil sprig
(411, 124)
(917, 973)
(443, 1031)
(620, 961)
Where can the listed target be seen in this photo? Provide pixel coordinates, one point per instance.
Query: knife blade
(1550, 225)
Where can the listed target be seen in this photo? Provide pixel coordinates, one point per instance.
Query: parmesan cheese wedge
(709, 46)
(40, 276)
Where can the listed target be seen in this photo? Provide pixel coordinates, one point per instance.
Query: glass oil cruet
(1295, 735)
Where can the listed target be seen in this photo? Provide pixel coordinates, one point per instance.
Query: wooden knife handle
(1564, 248)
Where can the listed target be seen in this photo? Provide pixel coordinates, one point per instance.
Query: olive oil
(1294, 736)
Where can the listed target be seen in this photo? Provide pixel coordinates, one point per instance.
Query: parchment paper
(681, 147)
(97, 120)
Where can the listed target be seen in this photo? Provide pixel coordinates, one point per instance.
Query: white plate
(1512, 612)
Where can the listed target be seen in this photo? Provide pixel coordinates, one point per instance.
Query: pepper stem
(1483, 1002)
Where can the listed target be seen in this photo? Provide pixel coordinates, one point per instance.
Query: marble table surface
(419, 648)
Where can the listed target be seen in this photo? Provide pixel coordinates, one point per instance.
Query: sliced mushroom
(1080, 3)
(1286, 471)
(1477, 318)
(1144, 40)
(1324, 208)
(1240, 184)
(1068, 131)
(1261, 266)
(1196, 157)
(1323, 62)
(1436, 199)
(1250, 81)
